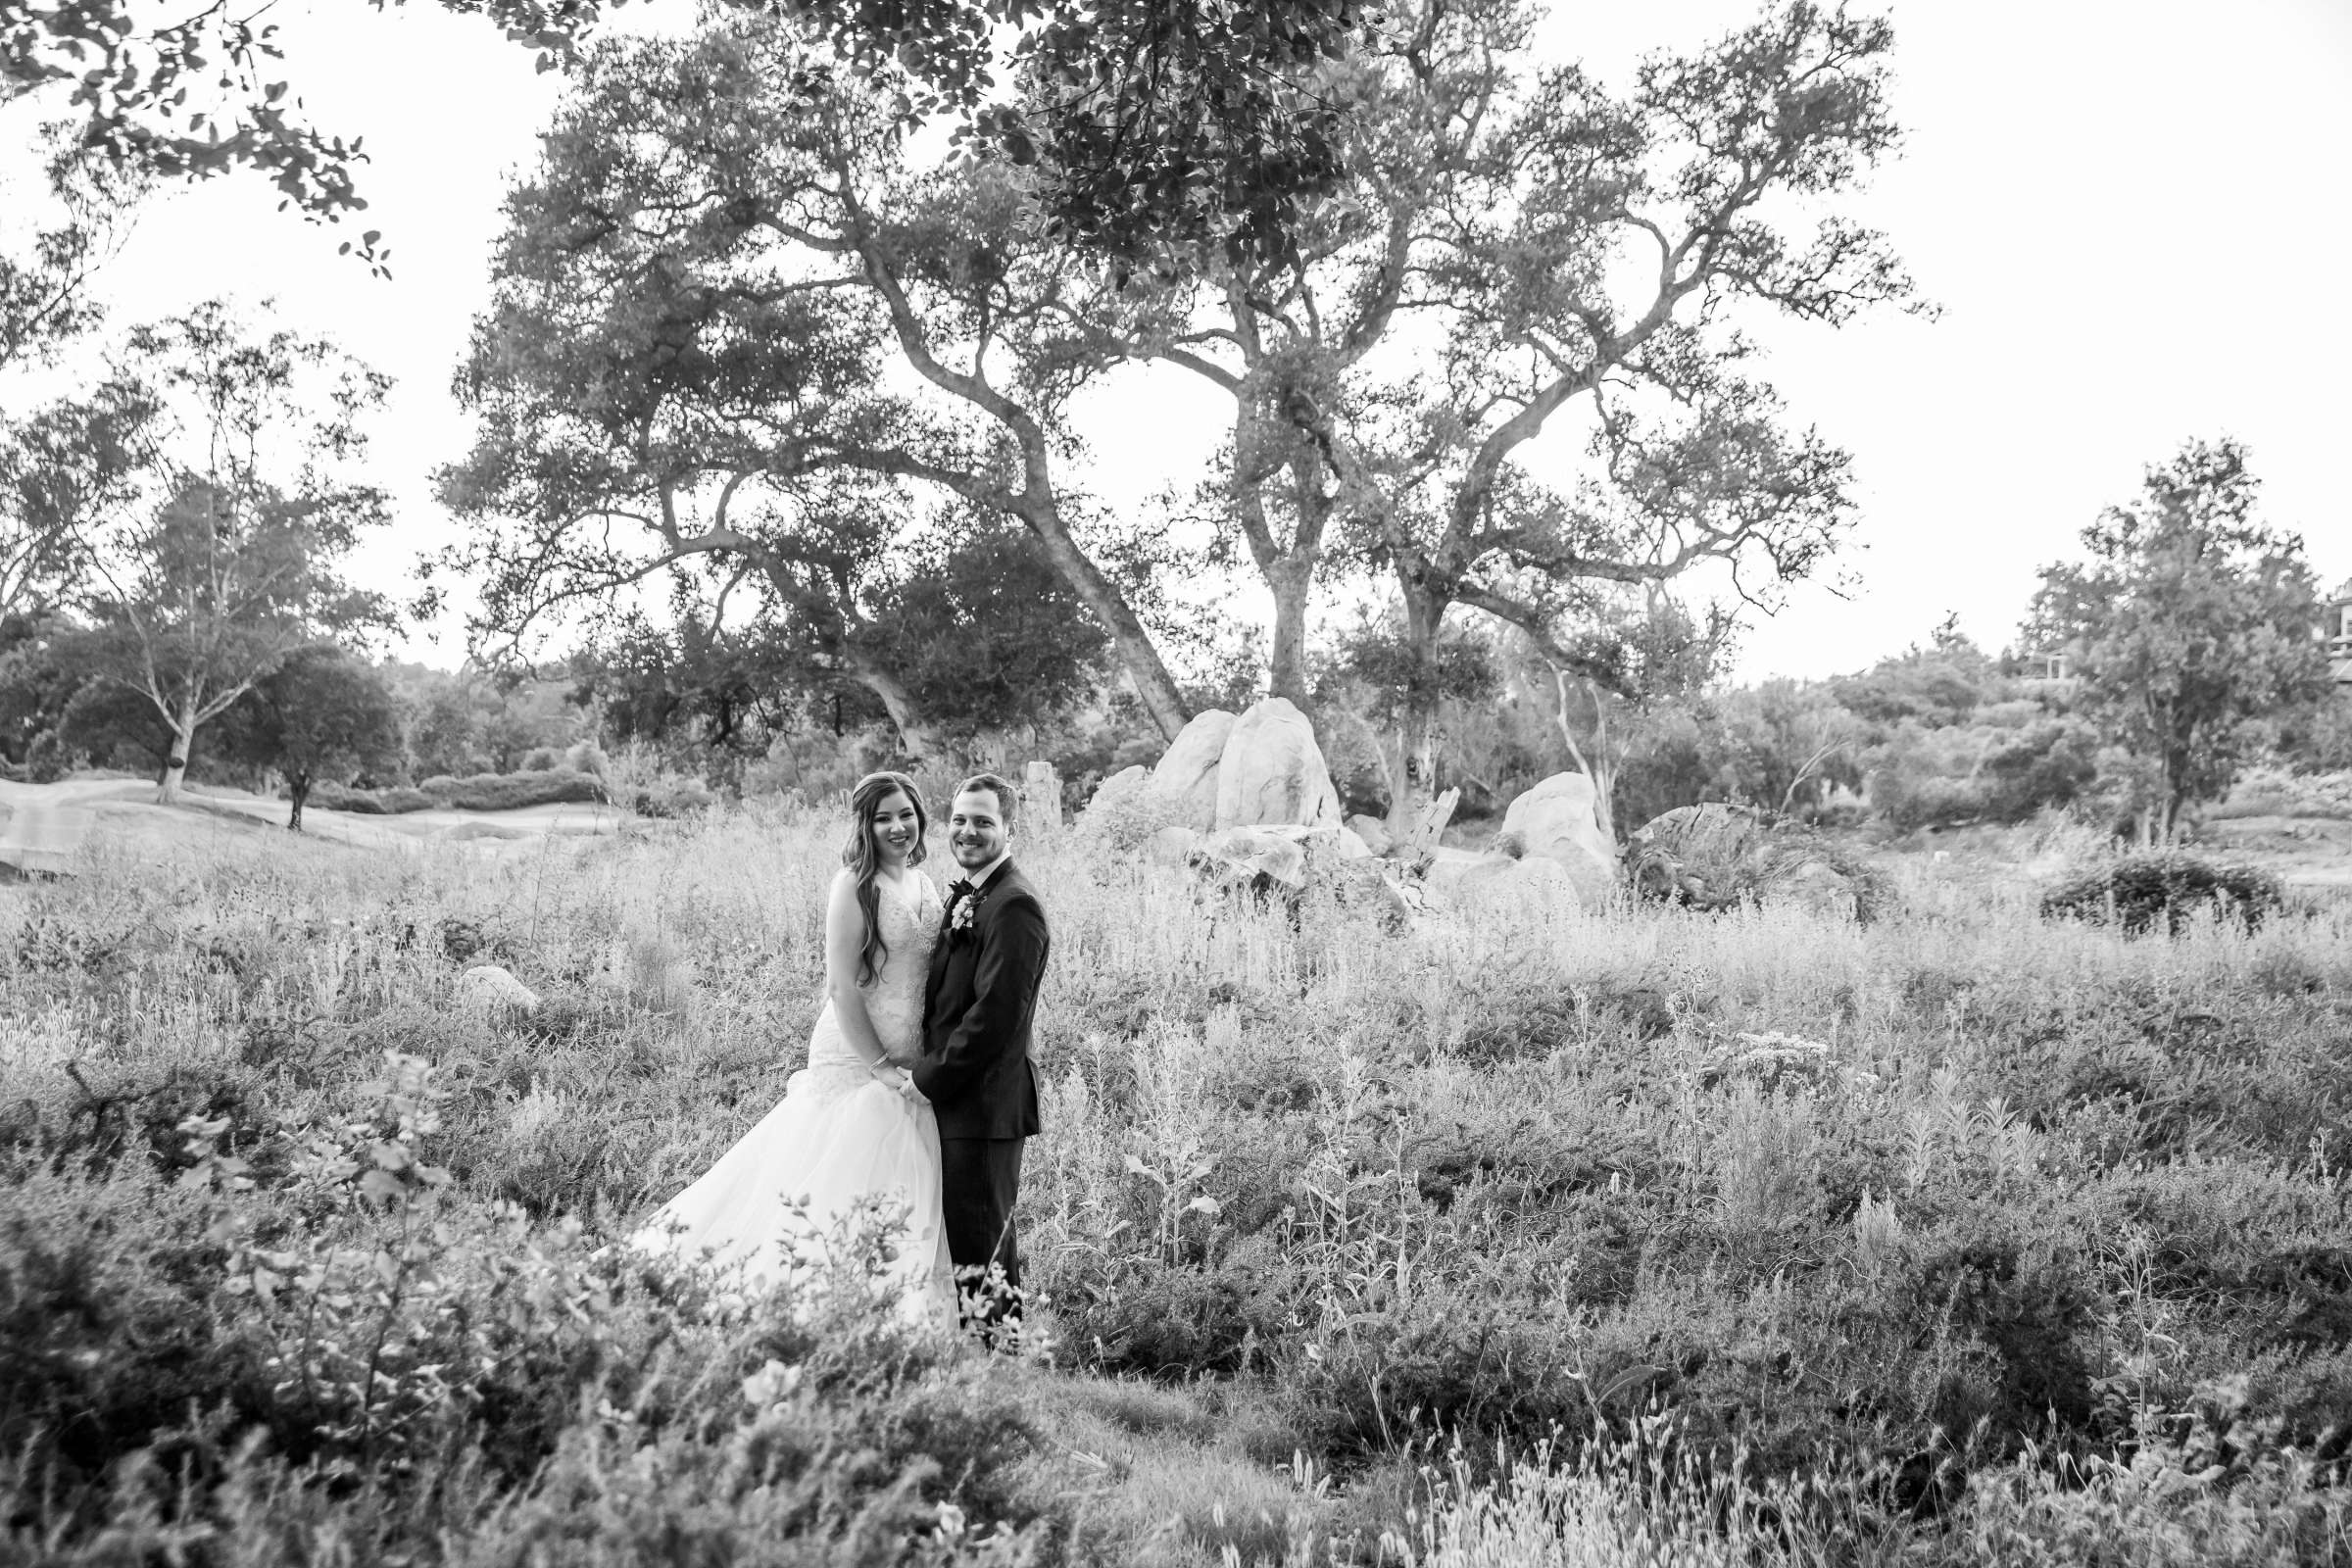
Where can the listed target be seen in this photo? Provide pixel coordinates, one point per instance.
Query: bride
(851, 1134)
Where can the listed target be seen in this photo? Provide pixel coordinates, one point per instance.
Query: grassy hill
(1538, 1234)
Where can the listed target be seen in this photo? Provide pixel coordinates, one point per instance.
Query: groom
(974, 1068)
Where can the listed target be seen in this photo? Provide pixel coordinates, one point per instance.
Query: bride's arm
(845, 939)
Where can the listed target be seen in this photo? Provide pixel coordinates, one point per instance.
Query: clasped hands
(899, 1081)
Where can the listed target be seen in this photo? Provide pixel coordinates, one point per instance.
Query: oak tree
(226, 557)
(1155, 123)
(2188, 621)
(737, 329)
(320, 715)
(1517, 258)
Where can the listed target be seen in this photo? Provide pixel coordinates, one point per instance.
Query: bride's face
(897, 829)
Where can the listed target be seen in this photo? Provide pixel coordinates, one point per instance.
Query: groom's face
(976, 830)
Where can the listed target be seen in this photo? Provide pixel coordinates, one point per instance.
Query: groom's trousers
(979, 1179)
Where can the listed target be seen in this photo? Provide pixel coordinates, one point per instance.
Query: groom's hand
(899, 1081)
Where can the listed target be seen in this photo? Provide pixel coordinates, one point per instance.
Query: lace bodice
(908, 915)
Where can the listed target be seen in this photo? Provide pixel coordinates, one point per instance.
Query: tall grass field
(1527, 1236)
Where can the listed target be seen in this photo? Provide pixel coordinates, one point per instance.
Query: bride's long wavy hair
(862, 854)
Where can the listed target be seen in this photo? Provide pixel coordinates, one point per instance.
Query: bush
(2050, 763)
(2271, 790)
(509, 792)
(670, 795)
(2136, 891)
(1126, 821)
(369, 803)
(167, 1351)
(481, 792)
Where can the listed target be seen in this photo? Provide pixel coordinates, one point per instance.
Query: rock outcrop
(494, 993)
(1465, 878)
(1124, 785)
(1359, 772)
(1272, 771)
(1717, 857)
(1187, 773)
(1555, 821)
(1285, 862)
(1373, 831)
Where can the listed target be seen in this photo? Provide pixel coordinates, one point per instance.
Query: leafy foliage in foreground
(2051, 1247)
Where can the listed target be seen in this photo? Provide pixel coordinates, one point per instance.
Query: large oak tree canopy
(1517, 259)
(1154, 121)
(730, 268)
(734, 331)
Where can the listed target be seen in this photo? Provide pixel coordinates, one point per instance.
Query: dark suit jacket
(981, 995)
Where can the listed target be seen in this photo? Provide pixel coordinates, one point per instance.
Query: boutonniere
(966, 905)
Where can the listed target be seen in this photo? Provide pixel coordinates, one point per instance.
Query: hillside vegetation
(1534, 1236)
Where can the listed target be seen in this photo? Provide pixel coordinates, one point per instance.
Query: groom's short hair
(1007, 797)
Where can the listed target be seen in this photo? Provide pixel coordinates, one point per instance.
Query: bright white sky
(2132, 213)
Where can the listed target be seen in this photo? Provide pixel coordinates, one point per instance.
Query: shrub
(1126, 821)
(394, 802)
(2136, 891)
(670, 796)
(587, 757)
(481, 792)
(166, 1350)
(509, 792)
(2046, 764)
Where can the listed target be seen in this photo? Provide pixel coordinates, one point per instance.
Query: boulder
(1362, 884)
(1555, 821)
(1041, 798)
(1820, 889)
(493, 992)
(1125, 784)
(1373, 831)
(1285, 860)
(1247, 858)
(1272, 772)
(1359, 772)
(1717, 857)
(1467, 877)
(1187, 772)
(1170, 846)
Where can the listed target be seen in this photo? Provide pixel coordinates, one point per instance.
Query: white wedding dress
(839, 1144)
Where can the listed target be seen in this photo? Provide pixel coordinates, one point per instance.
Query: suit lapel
(943, 951)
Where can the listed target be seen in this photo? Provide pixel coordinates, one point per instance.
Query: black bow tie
(960, 888)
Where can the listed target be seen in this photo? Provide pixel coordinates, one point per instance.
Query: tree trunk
(1289, 578)
(183, 738)
(298, 790)
(1416, 782)
(1154, 685)
(913, 734)
(2169, 809)
(1598, 767)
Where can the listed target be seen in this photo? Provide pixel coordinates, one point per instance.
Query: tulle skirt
(841, 1158)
